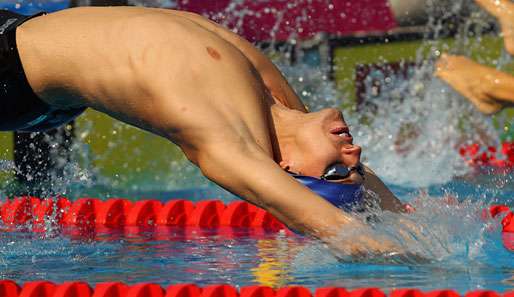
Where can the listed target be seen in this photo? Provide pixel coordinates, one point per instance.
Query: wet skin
(210, 92)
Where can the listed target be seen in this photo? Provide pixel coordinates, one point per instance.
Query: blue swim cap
(343, 196)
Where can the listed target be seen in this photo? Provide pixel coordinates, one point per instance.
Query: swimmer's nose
(350, 154)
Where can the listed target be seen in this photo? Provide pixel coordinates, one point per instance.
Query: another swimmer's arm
(488, 88)
(386, 199)
(502, 87)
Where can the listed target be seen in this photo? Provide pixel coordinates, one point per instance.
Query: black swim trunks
(20, 108)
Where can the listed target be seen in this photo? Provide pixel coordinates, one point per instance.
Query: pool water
(465, 252)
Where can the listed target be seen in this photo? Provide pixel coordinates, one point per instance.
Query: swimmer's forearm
(502, 87)
(252, 175)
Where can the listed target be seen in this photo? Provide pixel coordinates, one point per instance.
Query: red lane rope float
(9, 288)
(490, 156)
(507, 224)
(88, 213)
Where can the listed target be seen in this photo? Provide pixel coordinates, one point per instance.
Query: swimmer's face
(324, 139)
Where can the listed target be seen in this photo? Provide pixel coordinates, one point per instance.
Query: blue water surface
(475, 257)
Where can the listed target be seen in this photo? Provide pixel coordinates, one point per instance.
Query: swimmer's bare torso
(186, 79)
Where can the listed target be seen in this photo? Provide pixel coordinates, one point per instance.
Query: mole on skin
(213, 53)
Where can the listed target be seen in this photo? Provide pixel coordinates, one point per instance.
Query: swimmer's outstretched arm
(243, 168)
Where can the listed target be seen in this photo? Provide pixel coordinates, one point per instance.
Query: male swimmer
(202, 87)
(488, 89)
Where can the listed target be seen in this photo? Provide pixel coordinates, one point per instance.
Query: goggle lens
(339, 171)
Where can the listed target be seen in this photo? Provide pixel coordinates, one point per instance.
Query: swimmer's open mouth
(342, 132)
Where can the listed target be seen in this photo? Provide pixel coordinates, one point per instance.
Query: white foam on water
(440, 232)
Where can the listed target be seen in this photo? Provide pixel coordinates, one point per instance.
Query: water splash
(440, 233)
(418, 124)
(415, 142)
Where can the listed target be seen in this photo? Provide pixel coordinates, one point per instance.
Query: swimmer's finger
(443, 57)
(450, 63)
(406, 258)
(444, 74)
(399, 258)
(441, 64)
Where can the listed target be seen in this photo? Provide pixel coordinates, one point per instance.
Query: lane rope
(86, 215)
(9, 288)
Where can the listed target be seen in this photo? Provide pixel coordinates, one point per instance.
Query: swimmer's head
(317, 141)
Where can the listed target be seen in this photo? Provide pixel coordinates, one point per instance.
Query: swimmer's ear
(284, 165)
(288, 167)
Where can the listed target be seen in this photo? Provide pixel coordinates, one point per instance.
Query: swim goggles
(339, 171)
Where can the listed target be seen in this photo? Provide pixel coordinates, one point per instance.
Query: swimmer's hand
(383, 251)
(362, 244)
(484, 87)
